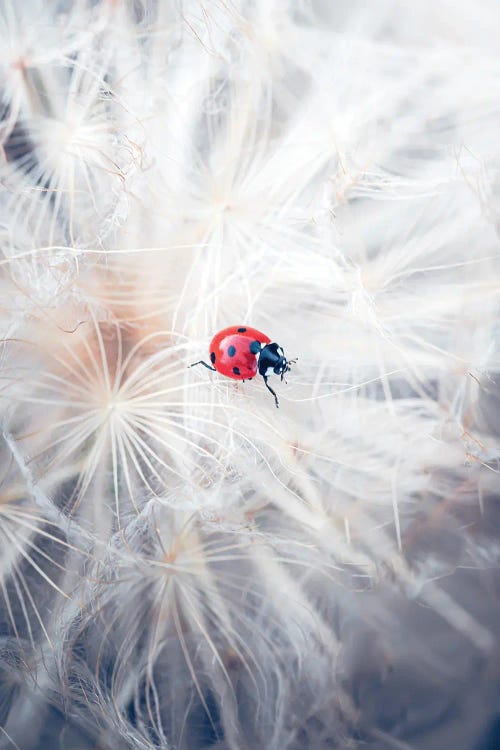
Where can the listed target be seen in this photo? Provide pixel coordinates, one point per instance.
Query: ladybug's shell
(233, 351)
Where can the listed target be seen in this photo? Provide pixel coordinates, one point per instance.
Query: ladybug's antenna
(287, 368)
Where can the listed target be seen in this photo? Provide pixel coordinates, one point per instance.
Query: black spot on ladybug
(241, 330)
(231, 350)
(236, 370)
(255, 347)
(212, 357)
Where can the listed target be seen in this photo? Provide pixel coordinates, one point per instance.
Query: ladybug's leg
(201, 362)
(270, 389)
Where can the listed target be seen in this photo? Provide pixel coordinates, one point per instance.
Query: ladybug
(240, 352)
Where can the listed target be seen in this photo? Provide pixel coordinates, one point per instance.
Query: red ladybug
(240, 352)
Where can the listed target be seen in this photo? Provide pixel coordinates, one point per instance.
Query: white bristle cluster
(183, 566)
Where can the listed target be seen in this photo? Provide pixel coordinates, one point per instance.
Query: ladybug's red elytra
(240, 352)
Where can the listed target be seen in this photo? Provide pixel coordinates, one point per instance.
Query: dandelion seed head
(182, 564)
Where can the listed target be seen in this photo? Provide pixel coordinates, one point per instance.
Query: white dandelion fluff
(182, 564)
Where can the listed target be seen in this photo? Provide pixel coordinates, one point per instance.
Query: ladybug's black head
(272, 360)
